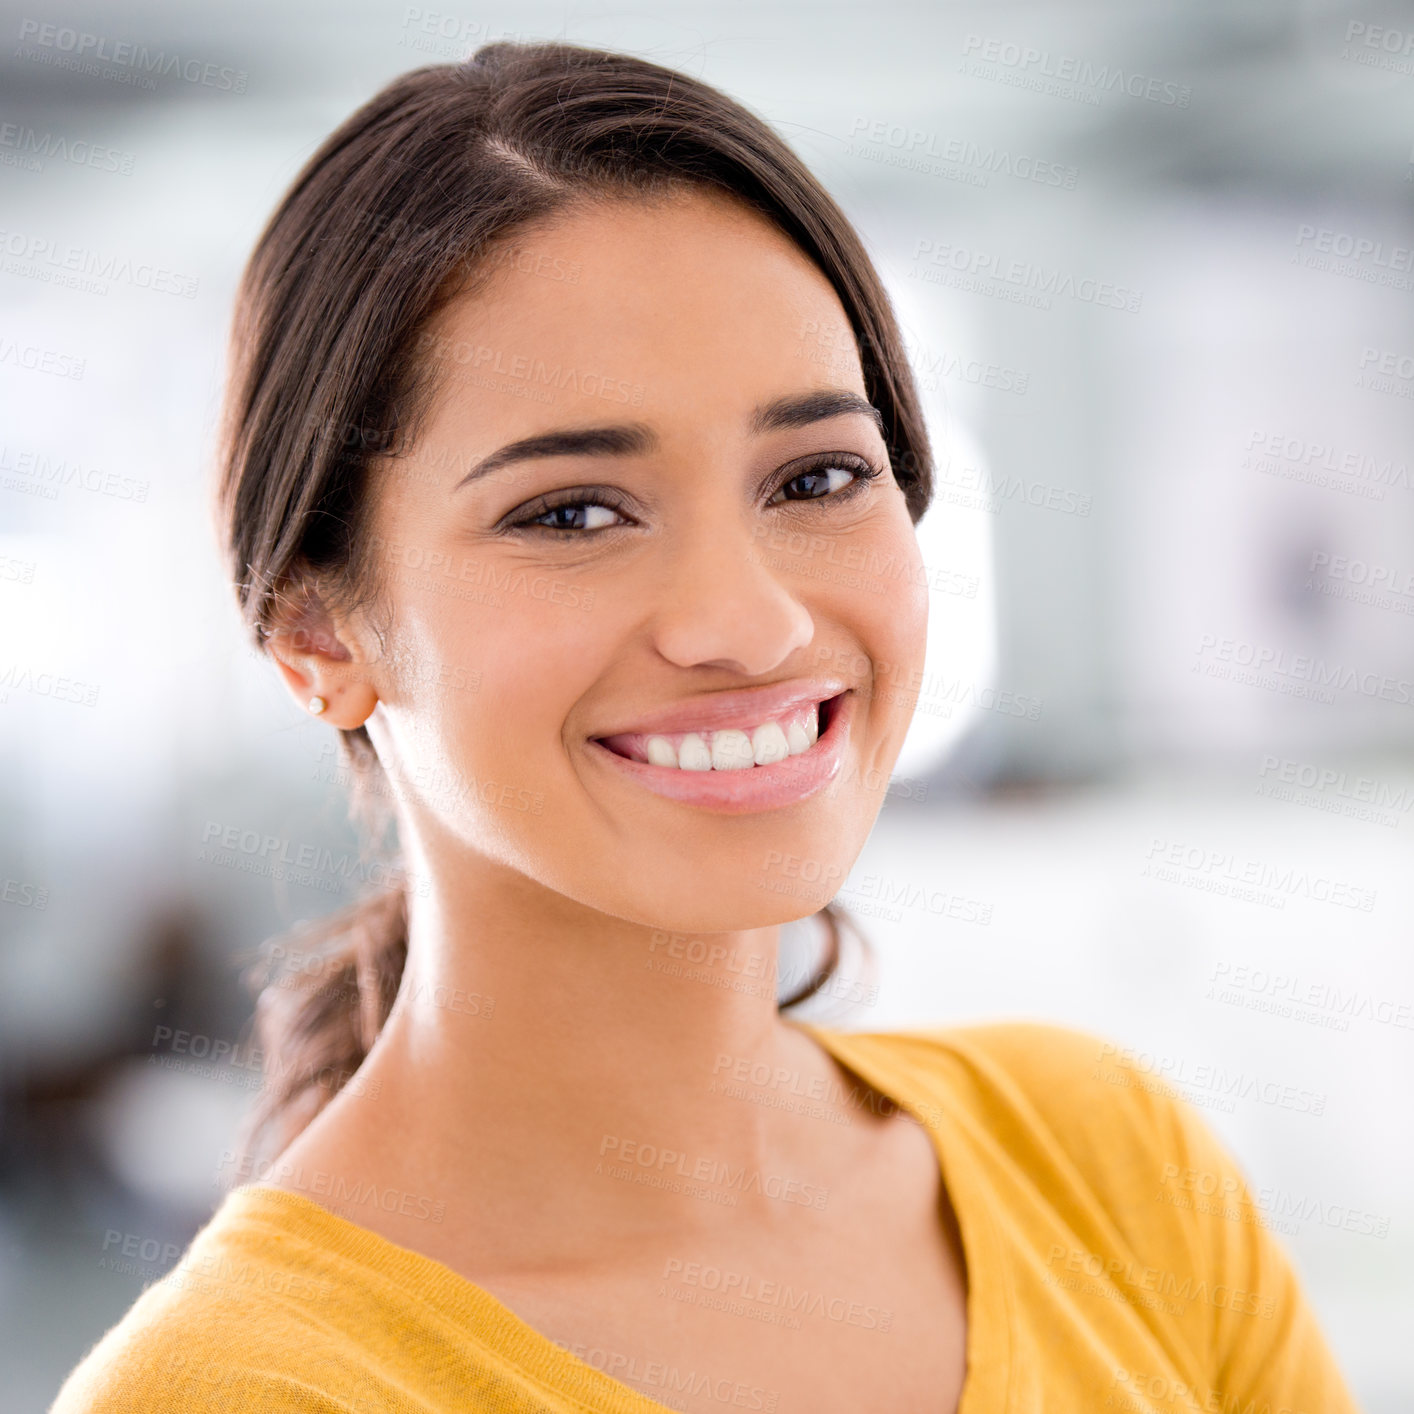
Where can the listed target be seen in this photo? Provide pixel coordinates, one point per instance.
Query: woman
(537, 489)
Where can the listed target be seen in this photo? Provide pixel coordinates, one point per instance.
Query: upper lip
(719, 711)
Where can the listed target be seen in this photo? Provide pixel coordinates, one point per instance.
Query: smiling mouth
(764, 743)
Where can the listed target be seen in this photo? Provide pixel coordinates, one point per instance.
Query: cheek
(899, 617)
(886, 619)
(489, 666)
(879, 598)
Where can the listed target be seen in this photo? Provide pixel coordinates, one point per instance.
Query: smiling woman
(534, 493)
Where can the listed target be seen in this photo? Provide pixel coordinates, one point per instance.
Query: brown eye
(830, 476)
(576, 515)
(577, 512)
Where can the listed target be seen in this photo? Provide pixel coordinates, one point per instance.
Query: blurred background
(1156, 267)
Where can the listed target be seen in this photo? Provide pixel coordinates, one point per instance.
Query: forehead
(667, 305)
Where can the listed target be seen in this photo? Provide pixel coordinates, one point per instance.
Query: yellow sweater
(1116, 1261)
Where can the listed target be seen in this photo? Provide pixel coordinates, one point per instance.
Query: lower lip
(752, 787)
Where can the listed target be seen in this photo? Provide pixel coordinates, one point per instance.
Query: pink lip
(754, 787)
(747, 708)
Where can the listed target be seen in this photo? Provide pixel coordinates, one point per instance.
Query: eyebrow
(636, 438)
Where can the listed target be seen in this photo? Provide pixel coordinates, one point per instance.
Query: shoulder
(1134, 1183)
(1059, 1076)
(1079, 1120)
(1136, 1140)
(1087, 1102)
(236, 1326)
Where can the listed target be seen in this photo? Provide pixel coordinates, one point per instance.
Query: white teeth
(693, 754)
(734, 749)
(797, 738)
(660, 751)
(769, 744)
(731, 750)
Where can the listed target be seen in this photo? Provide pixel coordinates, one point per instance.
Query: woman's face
(693, 566)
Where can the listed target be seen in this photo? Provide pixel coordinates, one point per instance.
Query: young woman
(570, 475)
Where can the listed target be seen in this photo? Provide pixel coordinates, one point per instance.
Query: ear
(318, 656)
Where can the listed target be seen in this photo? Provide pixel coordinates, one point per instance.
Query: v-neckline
(986, 1376)
(461, 1301)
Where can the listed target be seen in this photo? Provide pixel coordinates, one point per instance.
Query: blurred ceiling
(1296, 95)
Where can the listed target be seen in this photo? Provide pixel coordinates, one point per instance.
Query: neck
(540, 1051)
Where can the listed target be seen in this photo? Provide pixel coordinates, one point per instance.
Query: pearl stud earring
(317, 705)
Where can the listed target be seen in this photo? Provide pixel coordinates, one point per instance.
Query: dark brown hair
(396, 214)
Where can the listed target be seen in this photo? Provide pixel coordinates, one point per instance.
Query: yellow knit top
(1116, 1260)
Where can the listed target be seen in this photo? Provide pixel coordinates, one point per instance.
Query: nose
(723, 606)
